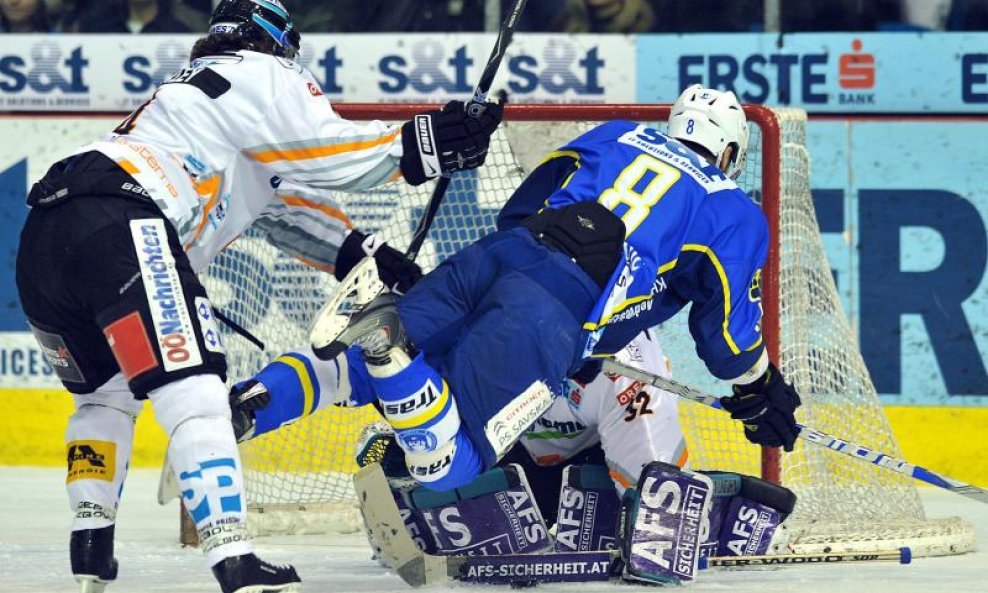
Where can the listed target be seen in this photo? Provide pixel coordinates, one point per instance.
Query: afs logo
(47, 70)
(91, 460)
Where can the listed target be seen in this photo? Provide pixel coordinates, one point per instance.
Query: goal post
(298, 478)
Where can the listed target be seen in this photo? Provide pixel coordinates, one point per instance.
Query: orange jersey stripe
(330, 269)
(619, 478)
(681, 462)
(324, 208)
(316, 152)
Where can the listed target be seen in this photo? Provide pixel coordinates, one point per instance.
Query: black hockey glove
(245, 398)
(396, 271)
(447, 140)
(766, 408)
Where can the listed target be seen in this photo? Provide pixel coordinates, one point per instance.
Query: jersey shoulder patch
(207, 80)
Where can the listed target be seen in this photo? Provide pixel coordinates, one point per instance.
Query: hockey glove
(396, 271)
(247, 397)
(447, 140)
(766, 408)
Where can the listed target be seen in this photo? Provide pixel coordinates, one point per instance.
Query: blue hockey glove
(766, 408)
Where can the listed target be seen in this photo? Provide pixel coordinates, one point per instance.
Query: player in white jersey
(632, 423)
(108, 258)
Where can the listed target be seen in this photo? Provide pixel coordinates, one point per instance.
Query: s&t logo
(46, 70)
(143, 74)
(563, 68)
(427, 71)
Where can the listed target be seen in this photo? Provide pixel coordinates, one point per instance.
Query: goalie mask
(714, 120)
(258, 22)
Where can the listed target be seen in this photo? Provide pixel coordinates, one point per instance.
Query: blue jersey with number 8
(693, 237)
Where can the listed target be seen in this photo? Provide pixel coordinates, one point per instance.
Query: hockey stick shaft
(811, 435)
(902, 556)
(474, 109)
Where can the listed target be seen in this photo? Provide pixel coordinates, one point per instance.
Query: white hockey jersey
(246, 137)
(634, 423)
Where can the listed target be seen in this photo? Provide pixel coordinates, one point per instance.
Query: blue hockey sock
(295, 391)
(417, 402)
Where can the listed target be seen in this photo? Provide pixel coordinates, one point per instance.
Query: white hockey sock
(204, 456)
(98, 441)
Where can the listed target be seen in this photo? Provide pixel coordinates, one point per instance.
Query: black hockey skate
(250, 574)
(362, 314)
(91, 554)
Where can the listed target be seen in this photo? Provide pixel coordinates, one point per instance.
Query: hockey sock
(300, 384)
(205, 458)
(417, 402)
(98, 445)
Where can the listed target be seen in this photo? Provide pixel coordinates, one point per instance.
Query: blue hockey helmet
(258, 21)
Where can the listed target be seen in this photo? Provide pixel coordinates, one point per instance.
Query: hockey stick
(475, 108)
(811, 435)
(418, 569)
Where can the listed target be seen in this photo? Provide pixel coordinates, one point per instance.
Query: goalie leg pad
(661, 524)
(588, 510)
(493, 515)
(745, 515)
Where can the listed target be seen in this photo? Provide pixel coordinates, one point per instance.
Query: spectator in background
(926, 14)
(129, 16)
(587, 16)
(372, 16)
(968, 15)
(24, 16)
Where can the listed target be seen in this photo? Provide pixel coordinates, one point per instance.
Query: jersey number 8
(639, 203)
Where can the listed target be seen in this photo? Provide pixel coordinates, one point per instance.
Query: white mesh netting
(298, 477)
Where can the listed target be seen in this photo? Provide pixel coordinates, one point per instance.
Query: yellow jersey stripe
(425, 415)
(724, 284)
(303, 377)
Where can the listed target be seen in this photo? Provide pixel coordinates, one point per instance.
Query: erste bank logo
(857, 75)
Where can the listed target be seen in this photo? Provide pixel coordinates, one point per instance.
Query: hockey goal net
(298, 478)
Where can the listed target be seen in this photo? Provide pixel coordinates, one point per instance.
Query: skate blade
(90, 584)
(358, 289)
(286, 588)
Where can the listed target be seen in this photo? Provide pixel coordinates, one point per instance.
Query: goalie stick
(419, 569)
(811, 435)
(474, 108)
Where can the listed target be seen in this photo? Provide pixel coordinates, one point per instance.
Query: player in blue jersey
(614, 233)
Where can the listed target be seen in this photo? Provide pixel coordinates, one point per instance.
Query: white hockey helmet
(714, 120)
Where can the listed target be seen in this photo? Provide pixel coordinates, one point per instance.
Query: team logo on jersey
(418, 440)
(173, 325)
(314, 90)
(91, 460)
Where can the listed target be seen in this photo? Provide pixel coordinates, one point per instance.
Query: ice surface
(34, 521)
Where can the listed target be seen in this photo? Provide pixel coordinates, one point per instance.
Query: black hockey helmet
(259, 21)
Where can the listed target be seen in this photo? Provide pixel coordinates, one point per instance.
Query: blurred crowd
(601, 16)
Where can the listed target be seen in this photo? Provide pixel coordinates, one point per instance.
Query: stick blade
(384, 522)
